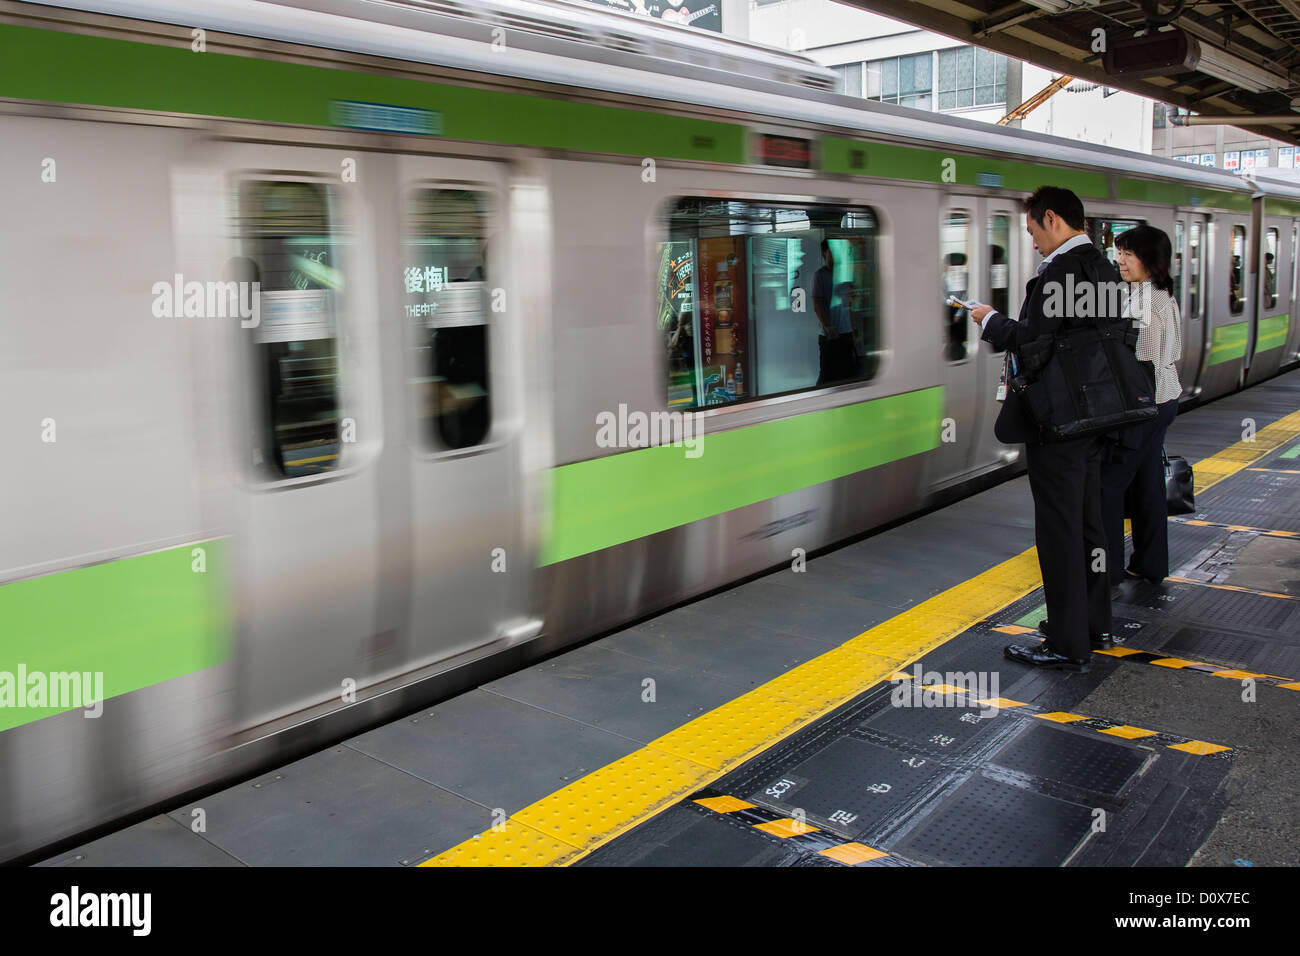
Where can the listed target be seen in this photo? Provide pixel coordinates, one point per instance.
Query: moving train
(332, 330)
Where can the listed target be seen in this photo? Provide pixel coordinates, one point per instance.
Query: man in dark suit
(1064, 477)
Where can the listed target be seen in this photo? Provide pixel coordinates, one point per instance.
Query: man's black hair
(1060, 201)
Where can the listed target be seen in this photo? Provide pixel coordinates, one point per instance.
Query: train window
(954, 248)
(1194, 263)
(765, 298)
(1176, 267)
(292, 250)
(999, 236)
(1270, 269)
(444, 284)
(1295, 263)
(1237, 260)
(1102, 232)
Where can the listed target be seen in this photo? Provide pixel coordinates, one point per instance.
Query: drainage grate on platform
(1084, 762)
(1209, 605)
(1235, 650)
(989, 823)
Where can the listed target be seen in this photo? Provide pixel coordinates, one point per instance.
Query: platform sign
(385, 119)
(1232, 160)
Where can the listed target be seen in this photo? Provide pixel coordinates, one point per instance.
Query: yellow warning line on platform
(1210, 471)
(590, 812)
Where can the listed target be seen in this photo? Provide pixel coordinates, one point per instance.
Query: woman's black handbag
(1179, 485)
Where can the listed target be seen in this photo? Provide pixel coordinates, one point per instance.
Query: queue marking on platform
(1135, 655)
(791, 831)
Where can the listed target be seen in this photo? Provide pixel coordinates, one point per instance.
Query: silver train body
(382, 577)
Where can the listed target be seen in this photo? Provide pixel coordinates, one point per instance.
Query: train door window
(1102, 232)
(765, 298)
(1270, 269)
(999, 242)
(1194, 265)
(1176, 267)
(445, 301)
(1237, 266)
(954, 250)
(291, 249)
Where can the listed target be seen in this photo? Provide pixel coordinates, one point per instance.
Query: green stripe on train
(618, 498)
(1181, 194)
(102, 71)
(1272, 332)
(70, 68)
(1228, 343)
(1281, 207)
(894, 161)
(136, 621)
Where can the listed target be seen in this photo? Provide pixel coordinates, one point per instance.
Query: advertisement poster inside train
(723, 318)
(678, 323)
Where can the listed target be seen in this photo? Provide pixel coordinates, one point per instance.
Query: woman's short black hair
(1152, 247)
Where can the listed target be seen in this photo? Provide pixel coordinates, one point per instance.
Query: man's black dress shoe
(1131, 575)
(1099, 642)
(1041, 656)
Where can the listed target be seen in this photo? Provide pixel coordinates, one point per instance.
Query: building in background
(882, 59)
(1225, 147)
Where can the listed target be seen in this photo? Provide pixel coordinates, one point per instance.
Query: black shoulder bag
(1085, 379)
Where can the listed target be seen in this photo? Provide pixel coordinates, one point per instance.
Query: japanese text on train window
(445, 301)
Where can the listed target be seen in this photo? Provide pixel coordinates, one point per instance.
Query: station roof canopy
(1238, 57)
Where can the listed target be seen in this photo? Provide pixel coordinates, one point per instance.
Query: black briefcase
(1179, 485)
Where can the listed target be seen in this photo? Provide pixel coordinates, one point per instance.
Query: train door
(1192, 301)
(447, 278)
(1272, 317)
(957, 338)
(1228, 300)
(1291, 351)
(1003, 288)
(310, 427)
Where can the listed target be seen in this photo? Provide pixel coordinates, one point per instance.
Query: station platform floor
(858, 712)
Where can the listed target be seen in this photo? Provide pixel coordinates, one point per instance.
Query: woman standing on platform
(1136, 464)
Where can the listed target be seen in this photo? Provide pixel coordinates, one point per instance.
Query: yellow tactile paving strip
(1210, 471)
(594, 810)
(590, 812)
